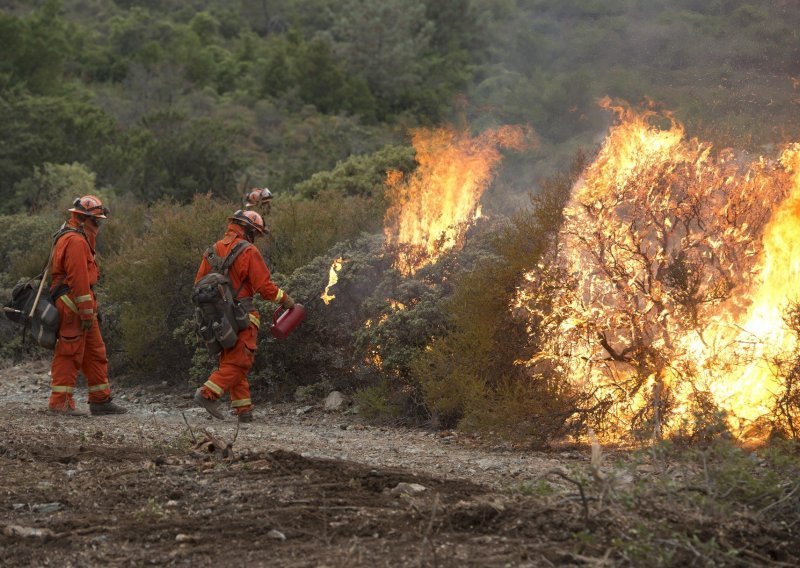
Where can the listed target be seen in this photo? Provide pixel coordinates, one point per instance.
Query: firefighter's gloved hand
(288, 303)
(86, 324)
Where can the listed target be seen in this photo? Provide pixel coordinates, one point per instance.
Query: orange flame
(431, 209)
(683, 260)
(333, 278)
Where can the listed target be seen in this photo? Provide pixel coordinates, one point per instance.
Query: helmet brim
(86, 213)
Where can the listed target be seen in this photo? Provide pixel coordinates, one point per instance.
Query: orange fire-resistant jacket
(74, 265)
(248, 268)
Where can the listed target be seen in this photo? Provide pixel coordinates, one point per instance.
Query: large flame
(683, 260)
(431, 209)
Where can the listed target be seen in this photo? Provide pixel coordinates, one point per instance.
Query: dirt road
(302, 488)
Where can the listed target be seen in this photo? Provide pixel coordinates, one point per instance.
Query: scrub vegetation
(170, 110)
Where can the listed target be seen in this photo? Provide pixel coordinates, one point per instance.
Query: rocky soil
(300, 486)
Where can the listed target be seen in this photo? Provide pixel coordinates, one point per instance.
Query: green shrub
(475, 375)
(363, 175)
(303, 229)
(148, 285)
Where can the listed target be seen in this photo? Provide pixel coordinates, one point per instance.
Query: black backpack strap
(237, 249)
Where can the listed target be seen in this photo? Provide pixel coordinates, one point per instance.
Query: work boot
(211, 406)
(68, 412)
(108, 407)
(246, 417)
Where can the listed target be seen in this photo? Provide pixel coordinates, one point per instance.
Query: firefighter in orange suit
(249, 275)
(80, 346)
(260, 199)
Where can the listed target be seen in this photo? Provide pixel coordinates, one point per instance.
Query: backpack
(45, 320)
(219, 315)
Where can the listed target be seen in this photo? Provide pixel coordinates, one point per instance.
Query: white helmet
(258, 196)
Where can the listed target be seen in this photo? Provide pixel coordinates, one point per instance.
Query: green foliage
(25, 245)
(34, 50)
(363, 175)
(472, 375)
(304, 229)
(149, 284)
(181, 158)
(59, 130)
(54, 186)
(375, 403)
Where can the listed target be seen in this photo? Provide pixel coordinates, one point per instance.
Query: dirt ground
(300, 487)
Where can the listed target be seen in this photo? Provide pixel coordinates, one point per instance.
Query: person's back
(249, 275)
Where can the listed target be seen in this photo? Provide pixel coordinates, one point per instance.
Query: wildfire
(682, 261)
(333, 278)
(431, 210)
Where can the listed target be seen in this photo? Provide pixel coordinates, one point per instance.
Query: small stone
(304, 410)
(26, 532)
(47, 507)
(277, 535)
(70, 473)
(404, 488)
(172, 503)
(18, 506)
(180, 537)
(334, 402)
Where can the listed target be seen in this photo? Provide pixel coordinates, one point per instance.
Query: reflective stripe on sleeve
(241, 402)
(59, 388)
(280, 296)
(213, 388)
(81, 299)
(255, 320)
(69, 303)
(90, 311)
(95, 388)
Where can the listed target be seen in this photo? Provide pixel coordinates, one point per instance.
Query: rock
(304, 410)
(18, 506)
(27, 532)
(334, 402)
(486, 464)
(404, 488)
(46, 507)
(180, 537)
(277, 535)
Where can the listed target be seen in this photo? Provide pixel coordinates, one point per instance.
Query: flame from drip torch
(333, 278)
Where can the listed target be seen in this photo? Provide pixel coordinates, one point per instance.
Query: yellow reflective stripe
(241, 402)
(213, 388)
(57, 388)
(69, 303)
(89, 311)
(279, 297)
(96, 388)
(255, 320)
(81, 299)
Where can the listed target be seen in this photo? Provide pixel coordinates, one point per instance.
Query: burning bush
(475, 375)
(682, 265)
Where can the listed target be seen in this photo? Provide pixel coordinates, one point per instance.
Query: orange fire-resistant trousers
(78, 350)
(231, 376)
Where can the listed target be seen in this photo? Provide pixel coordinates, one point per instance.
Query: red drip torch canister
(284, 323)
